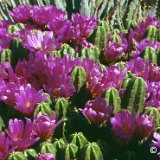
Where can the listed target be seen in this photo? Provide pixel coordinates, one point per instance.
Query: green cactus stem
(134, 94)
(112, 98)
(149, 53)
(78, 75)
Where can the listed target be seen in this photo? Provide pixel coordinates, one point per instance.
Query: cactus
(112, 98)
(48, 99)
(91, 53)
(18, 52)
(5, 55)
(1, 123)
(98, 37)
(60, 146)
(43, 108)
(66, 49)
(105, 25)
(151, 33)
(30, 153)
(152, 111)
(79, 140)
(134, 94)
(17, 156)
(118, 12)
(70, 151)
(150, 54)
(131, 24)
(78, 75)
(116, 38)
(47, 147)
(92, 152)
(61, 107)
(16, 27)
(158, 34)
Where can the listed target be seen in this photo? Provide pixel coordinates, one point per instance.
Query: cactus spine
(134, 94)
(112, 97)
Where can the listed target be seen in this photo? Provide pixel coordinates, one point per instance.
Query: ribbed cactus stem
(116, 38)
(112, 98)
(78, 75)
(66, 49)
(149, 53)
(105, 25)
(79, 140)
(47, 147)
(5, 55)
(92, 152)
(151, 33)
(15, 28)
(43, 108)
(17, 49)
(152, 111)
(17, 156)
(61, 107)
(91, 53)
(98, 37)
(134, 94)
(70, 151)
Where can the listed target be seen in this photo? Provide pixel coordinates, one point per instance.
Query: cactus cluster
(81, 86)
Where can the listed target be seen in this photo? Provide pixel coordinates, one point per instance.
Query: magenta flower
(81, 26)
(27, 98)
(33, 70)
(110, 77)
(60, 28)
(45, 125)
(5, 149)
(21, 13)
(122, 126)
(21, 134)
(154, 74)
(96, 111)
(143, 125)
(140, 46)
(113, 51)
(45, 156)
(138, 33)
(10, 89)
(45, 14)
(40, 41)
(59, 82)
(153, 94)
(125, 126)
(139, 67)
(4, 39)
(156, 140)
